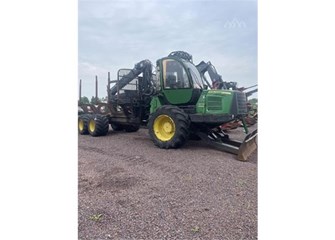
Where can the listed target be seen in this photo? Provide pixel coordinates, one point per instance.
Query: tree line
(94, 100)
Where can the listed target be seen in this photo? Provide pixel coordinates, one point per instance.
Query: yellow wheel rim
(91, 125)
(81, 125)
(164, 128)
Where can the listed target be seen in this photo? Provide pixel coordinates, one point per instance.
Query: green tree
(95, 100)
(84, 100)
(103, 99)
(253, 101)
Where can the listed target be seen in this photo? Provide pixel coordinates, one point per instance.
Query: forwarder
(173, 102)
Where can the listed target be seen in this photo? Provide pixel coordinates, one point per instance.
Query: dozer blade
(248, 146)
(242, 149)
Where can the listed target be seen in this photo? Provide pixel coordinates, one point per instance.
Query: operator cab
(181, 81)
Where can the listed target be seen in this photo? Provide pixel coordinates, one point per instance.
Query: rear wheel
(98, 125)
(83, 124)
(116, 127)
(131, 128)
(169, 127)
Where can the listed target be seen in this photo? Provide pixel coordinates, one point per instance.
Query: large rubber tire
(131, 128)
(116, 127)
(83, 123)
(169, 127)
(98, 125)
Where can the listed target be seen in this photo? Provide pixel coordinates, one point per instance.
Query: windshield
(197, 81)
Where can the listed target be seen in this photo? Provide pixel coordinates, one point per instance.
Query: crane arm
(144, 67)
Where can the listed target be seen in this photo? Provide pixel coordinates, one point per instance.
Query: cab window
(174, 75)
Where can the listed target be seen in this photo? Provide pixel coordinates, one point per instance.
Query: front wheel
(169, 127)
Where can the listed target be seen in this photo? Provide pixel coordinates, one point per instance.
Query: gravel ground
(130, 189)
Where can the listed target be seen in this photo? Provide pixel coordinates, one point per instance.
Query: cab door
(176, 85)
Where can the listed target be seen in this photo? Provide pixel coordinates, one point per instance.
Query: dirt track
(130, 189)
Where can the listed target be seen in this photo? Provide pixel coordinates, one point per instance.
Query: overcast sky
(118, 34)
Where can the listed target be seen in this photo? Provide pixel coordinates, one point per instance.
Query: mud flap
(242, 149)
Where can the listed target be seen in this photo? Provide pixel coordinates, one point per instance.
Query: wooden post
(80, 90)
(108, 86)
(96, 89)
